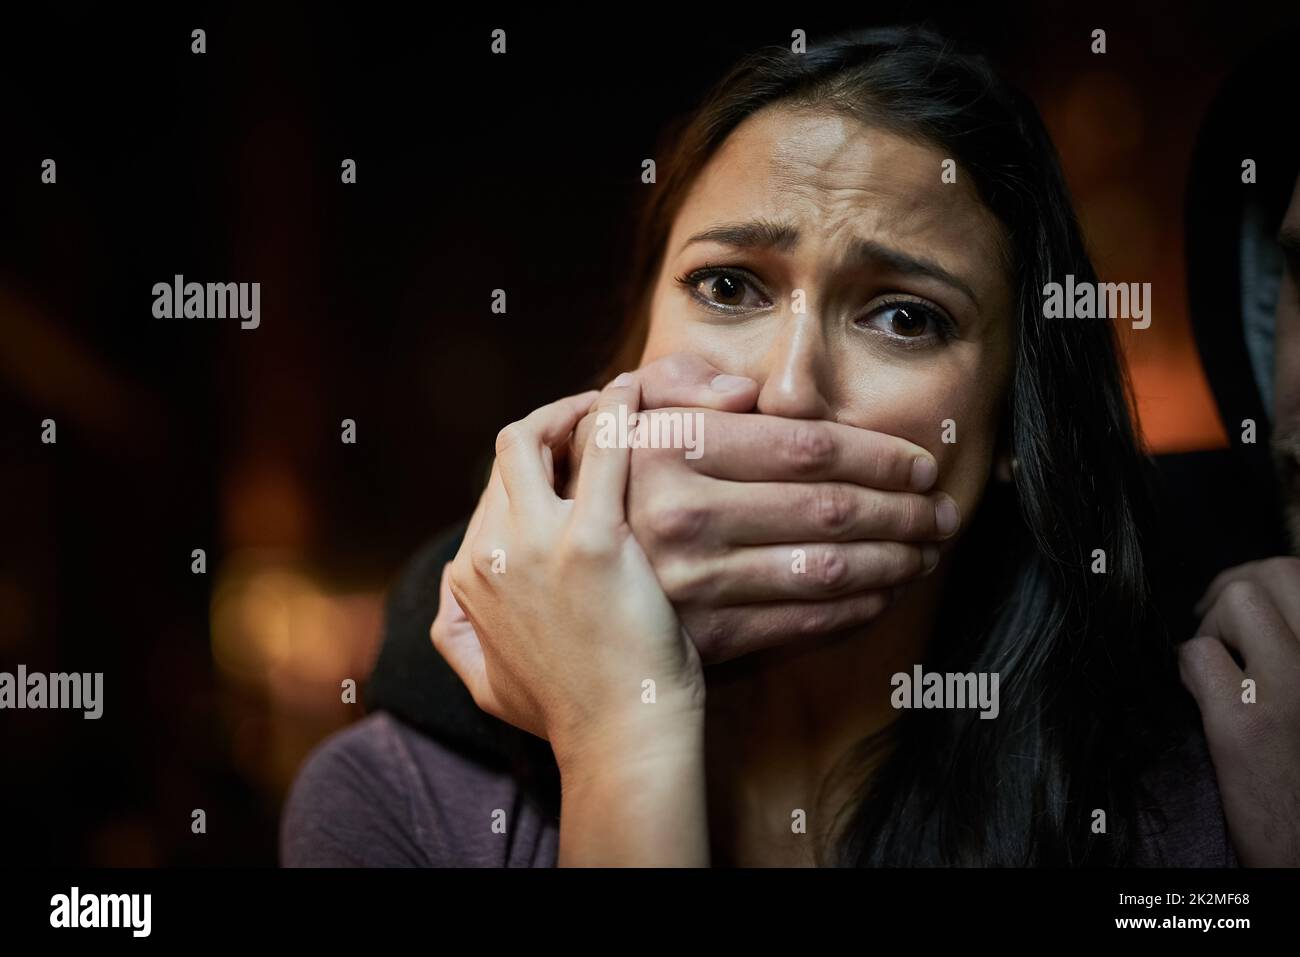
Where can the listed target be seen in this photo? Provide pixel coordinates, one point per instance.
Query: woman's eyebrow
(757, 234)
(865, 252)
(767, 234)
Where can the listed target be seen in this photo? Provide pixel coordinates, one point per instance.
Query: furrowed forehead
(865, 194)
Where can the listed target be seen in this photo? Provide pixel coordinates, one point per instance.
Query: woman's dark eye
(724, 290)
(908, 320)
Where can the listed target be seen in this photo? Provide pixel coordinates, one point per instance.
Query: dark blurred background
(474, 172)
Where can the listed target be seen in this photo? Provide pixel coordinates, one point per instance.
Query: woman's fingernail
(946, 516)
(730, 383)
(623, 379)
(924, 471)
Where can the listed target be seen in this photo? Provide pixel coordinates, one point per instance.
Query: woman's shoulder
(1185, 825)
(381, 794)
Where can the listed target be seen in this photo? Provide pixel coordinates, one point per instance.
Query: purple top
(381, 794)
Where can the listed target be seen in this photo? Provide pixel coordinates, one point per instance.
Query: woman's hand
(559, 626)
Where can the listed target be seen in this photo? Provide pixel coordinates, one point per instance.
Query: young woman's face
(830, 261)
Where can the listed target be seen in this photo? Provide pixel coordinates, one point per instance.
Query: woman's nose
(796, 373)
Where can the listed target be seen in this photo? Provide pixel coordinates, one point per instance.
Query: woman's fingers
(685, 379)
(525, 473)
(796, 572)
(491, 535)
(602, 483)
(681, 379)
(492, 499)
(714, 511)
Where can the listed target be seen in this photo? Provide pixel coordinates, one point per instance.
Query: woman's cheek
(950, 417)
(727, 348)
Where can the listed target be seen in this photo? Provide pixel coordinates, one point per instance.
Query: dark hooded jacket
(1222, 507)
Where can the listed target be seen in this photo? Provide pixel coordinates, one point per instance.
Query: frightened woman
(905, 465)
